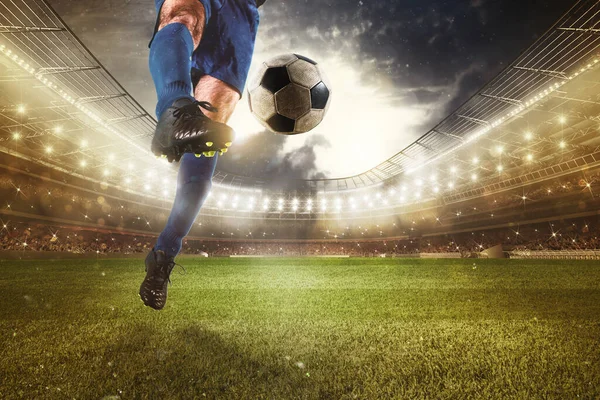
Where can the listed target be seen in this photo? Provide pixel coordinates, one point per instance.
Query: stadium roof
(79, 119)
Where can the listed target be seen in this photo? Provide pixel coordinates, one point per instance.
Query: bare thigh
(219, 94)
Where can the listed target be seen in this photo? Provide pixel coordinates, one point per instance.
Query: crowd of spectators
(577, 234)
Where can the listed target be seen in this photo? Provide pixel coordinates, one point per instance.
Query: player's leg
(194, 182)
(222, 95)
(221, 61)
(195, 173)
(182, 126)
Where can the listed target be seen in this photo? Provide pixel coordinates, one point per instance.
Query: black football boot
(183, 128)
(153, 290)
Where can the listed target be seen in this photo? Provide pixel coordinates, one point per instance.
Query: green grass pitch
(302, 329)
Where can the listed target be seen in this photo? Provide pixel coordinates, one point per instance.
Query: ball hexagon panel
(275, 79)
(262, 103)
(281, 124)
(319, 95)
(304, 73)
(309, 121)
(293, 101)
(257, 77)
(281, 60)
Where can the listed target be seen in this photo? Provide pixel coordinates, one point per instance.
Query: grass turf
(302, 328)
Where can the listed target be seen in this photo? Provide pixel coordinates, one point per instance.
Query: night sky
(397, 68)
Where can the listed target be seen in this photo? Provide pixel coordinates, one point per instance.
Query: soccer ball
(290, 94)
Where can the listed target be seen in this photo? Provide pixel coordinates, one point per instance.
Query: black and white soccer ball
(290, 94)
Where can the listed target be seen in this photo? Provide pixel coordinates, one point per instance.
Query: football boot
(184, 128)
(153, 290)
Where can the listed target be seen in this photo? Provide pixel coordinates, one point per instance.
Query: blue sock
(170, 65)
(193, 184)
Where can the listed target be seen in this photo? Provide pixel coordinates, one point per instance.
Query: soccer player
(204, 48)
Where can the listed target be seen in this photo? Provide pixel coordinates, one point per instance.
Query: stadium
(464, 266)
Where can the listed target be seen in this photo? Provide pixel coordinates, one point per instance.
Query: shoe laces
(168, 267)
(193, 110)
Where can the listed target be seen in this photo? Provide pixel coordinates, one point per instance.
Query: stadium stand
(516, 164)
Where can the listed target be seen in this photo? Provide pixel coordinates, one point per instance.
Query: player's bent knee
(189, 20)
(187, 12)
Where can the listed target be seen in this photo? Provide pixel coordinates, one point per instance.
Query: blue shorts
(227, 45)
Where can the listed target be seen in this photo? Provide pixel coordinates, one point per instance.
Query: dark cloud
(260, 156)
